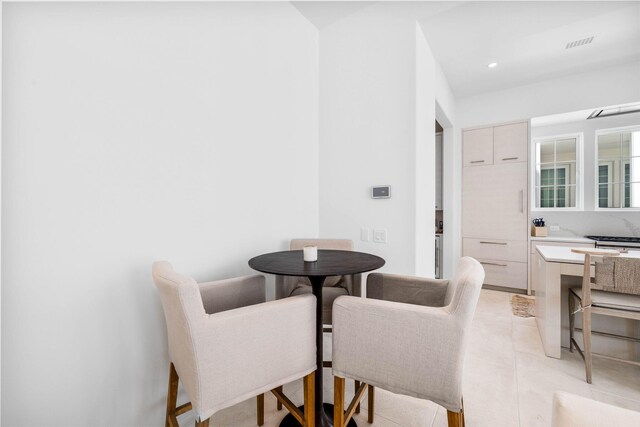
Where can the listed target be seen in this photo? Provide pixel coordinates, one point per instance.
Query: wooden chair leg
(586, 338)
(260, 409)
(370, 402)
(357, 385)
(338, 401)
(279, 404)
(455, 419)
(171, 419)
(200, 423)
(309, 399)
(572, 316)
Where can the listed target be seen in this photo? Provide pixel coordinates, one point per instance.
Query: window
(618, 166)
(604, 193)
(557, 171)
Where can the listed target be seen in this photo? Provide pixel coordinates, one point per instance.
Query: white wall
(425, 157)
(377, 114)
(135, 132)
(1, 211)
(367, 133)
(590, 222)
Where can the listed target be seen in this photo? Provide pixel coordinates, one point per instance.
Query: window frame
(633, 128)
(579, 137)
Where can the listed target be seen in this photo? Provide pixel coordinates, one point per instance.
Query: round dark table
(329, 263)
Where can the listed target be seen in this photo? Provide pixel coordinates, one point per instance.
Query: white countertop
(564, 239)
(564, 254)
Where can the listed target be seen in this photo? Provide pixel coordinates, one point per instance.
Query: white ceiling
(526, 39)
(321, 13)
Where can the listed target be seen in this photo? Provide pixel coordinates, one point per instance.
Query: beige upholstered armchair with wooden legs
(410, 349)
(227, 345)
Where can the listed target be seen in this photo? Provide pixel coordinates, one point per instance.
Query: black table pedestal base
(290, 421)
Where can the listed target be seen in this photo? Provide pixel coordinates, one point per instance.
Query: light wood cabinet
(505, 274)
(495, 202)
(497, 249)
(495, 213)
(477, 147)
(510, 143)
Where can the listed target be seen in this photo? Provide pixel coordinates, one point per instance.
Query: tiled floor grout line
(515, 366)
(387, 419)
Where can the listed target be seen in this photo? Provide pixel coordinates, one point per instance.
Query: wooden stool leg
(260, 409)
(172, 398)
(572, 316)
(338, 402)
(370, 402)
(204, 423)
(586, 337)
(586, 314)
(357, 386)
(309, 399)
(454, 419)
(279, 404)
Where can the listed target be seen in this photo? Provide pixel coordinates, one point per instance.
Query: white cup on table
(310, 253)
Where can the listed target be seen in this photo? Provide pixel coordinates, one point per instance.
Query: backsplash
(578, 224)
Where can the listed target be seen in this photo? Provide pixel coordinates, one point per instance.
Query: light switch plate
(554, 227)
(364, 234)
(380, 235)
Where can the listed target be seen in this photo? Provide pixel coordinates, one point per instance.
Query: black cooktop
(614, 239)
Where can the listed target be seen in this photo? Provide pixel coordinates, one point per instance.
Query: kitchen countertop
(563, 239)
(564, 254)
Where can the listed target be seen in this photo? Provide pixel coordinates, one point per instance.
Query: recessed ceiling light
(492, 65)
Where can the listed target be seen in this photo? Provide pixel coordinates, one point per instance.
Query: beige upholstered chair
(570, 410)
(227, 345)
(412, 349)
(615, 292)
(333, 286)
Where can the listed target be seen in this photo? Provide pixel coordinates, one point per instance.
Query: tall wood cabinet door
(510, 143)
(477, 147)
(494, 202)
(478, 194)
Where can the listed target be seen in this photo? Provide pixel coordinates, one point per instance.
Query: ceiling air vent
(614, 111)
(579, 42)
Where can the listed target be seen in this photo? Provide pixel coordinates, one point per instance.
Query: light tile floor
(508, 381)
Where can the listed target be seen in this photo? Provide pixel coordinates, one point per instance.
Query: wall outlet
(554, 228)
(380, 235)
(364, 234)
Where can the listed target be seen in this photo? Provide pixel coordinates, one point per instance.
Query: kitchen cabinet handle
(521, 201)
(509, 158)
(477, 161)
(493, 263)
(493, 243)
